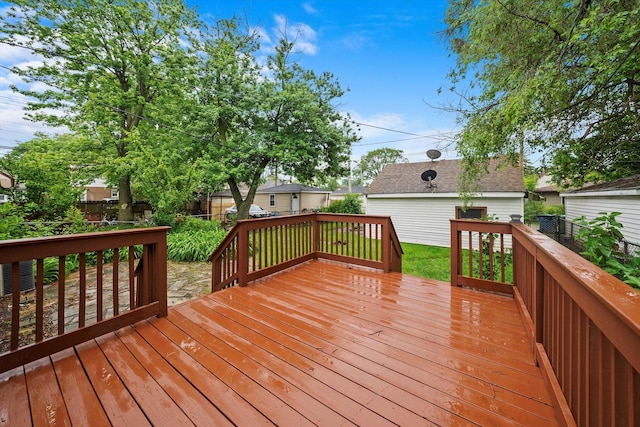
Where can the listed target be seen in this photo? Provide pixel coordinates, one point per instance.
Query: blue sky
(388, 54)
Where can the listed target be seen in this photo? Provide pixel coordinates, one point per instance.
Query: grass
(431, 262)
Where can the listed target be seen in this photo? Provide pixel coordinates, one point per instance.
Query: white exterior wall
(425, 220)
(590, 206)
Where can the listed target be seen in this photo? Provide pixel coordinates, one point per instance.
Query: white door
(295, 203)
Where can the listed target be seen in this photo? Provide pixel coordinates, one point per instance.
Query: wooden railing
(96, 302)
(259, 247)
(584, 324)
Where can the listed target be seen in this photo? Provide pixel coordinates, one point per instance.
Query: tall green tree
(371, 164)
(46, 175)
(556, 77)
(111, 70)
(254, 114)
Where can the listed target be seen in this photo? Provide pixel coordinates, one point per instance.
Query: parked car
(255, 211)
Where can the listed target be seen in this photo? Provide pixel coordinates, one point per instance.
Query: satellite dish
(434, 154)
(429, 175)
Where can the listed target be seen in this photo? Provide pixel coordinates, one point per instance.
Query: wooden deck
(322, 344)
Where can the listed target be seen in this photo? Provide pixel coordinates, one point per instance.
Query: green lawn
(432, 262)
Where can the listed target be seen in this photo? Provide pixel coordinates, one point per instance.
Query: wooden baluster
(99, 284)
(132, 280)
(39, 299)
(15, 305)
(82, 303)
(61, 285)
(115, 287)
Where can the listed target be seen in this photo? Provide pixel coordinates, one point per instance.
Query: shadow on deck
(324, 343)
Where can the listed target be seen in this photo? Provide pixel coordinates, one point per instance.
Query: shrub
(187, 244)
(351, 204)
(602, 236)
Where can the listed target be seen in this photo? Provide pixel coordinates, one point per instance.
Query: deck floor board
(321, 344)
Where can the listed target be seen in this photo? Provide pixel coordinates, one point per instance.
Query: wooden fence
(259, 247)
(584, 324)
(98, 301)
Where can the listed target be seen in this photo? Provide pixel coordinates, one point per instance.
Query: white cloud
(301, 34)
(309, 8)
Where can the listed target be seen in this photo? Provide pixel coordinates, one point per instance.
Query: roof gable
(398, 178)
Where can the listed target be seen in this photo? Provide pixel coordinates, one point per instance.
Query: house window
(272, 200)
(3, 198)
(471, 212)
(114, 193)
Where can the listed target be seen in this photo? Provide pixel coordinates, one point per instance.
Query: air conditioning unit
(26, 277)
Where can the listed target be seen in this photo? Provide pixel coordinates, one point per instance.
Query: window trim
(482, 209)
(272, 200)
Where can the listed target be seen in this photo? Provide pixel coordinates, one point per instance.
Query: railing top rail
(482, 226)
(42, 247)
(622, 300)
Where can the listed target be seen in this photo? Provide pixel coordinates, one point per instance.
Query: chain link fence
(566, 232)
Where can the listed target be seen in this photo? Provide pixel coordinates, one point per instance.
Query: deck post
(243, 255)
(456, 253)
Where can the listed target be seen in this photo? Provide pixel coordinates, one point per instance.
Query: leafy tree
(351, 204)
(252, 115)
(46, 175)
(371, 164)
(558, 77)
(110, 70)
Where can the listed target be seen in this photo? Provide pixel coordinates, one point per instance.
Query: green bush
(194, 245)
(351, 204)
(602, 236)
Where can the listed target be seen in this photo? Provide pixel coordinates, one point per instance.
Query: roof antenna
(433, 154)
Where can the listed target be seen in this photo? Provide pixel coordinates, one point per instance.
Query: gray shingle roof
(627, 183)
(398, 178)
(292, 188)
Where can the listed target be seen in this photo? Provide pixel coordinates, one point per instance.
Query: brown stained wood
(292, 367)
(259, 397)
(117, 402)
(293, 397)
(61, 285)
(235, 407)
(152, 399)
(82, 299)
(398, 364)
(39, 299)
(14, 400)
(323, 343)
(45, 398)
(195, 405)
(83, 405)
(343, 392)
(15, 305)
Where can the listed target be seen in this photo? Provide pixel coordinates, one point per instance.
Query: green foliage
(558, 77)
(531, 181)
(351, 204)
(532, 209)
(371, 164)
(44, 175)
(602, 237)
(106, 67)
(554, 209)
(194, 240)
(252, 114)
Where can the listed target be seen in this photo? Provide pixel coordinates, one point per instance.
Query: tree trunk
(125, 212)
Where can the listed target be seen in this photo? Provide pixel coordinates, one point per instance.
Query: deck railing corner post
(243, 255)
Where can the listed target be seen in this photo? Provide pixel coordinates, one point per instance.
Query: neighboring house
(621, 195)
(548, 191)
(6, 181)
(98, 191)
(288, 199)
(421, 211)
(340, 192)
